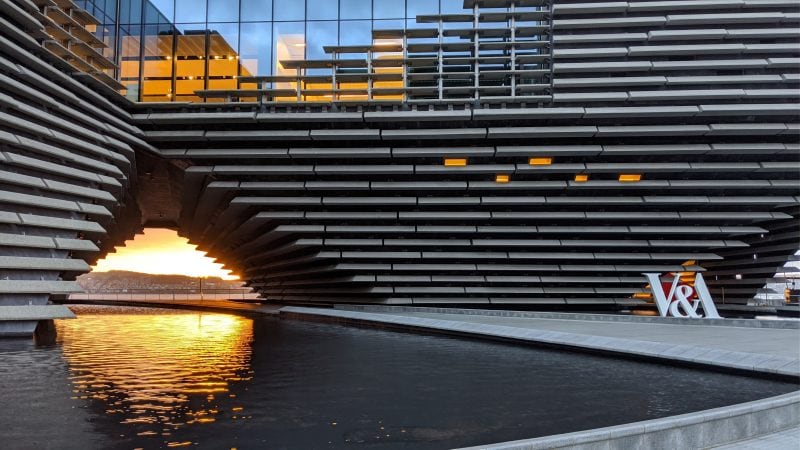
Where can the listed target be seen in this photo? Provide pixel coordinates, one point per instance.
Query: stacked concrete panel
(549, 164)
(661, 136)
(66, 159)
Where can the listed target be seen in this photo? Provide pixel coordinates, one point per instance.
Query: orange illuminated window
(540, 161)
(455, 162)
(581, 177)
(502, 179)
(630, 177)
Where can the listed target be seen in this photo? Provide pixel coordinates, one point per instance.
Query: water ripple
(156, 371)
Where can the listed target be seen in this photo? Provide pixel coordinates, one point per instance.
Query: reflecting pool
(128, 378)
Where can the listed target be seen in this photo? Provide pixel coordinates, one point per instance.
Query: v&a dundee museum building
(512, 154)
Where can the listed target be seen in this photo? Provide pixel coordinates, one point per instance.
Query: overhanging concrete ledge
(34, 312)
(700, 429)
(694, 355)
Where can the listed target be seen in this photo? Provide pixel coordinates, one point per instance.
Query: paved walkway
(763, 341)
(784, 440)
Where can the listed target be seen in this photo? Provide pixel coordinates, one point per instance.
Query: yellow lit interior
(540, 161)
(381, 55)
(502, 179)
(220, 70)
(455, 162)
(581, 177)
(630, 177)
(288, 47)
(189, 66)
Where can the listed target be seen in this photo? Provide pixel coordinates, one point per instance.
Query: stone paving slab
(727, 322)
(762, 341)
(783, 440)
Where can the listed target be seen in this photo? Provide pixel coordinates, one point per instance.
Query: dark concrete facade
(354, 202)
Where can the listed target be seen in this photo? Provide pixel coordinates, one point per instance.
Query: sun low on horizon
(161, 251)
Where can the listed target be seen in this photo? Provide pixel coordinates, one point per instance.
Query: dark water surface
(151, 378)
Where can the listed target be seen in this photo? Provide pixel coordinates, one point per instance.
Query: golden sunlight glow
(168, 370)
(162, 251)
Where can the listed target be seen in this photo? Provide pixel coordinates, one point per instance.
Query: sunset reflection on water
(157, 370)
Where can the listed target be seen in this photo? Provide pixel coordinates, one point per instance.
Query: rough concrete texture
(788, 439)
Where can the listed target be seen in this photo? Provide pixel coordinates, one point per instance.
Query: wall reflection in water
(157, 370)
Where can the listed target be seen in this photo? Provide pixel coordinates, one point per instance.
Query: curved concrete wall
(702, 429)
(352, 202)
(67, 161)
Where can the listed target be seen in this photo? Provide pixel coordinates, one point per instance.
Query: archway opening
(160, 251)
(159, 264)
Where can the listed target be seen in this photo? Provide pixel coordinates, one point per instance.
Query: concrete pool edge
(702, 429)
(727, 322)
(738, 362)
(752, 421)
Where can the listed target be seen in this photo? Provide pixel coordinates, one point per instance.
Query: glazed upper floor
(557, 53)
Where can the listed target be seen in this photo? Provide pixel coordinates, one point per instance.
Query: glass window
(356, 9)
(290, 10)
(255, 54)
(130, 11)
(111, 8)
(190, 11)
(223, 55)
(157, 70)
(130, 46)
(355, 32)
(107, 35)
(190, 64)
(453, 6)
(389, 9)
(223, 39)
(256, 10)
(323, 10)
(223, 11)
(154, 16)
(318, 35)
(419, 7)
(396, 24)
(165, 7)
(289, 42)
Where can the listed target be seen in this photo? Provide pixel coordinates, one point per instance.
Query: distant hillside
(120, 279)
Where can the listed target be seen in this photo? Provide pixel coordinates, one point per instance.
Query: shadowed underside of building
(548, 164)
